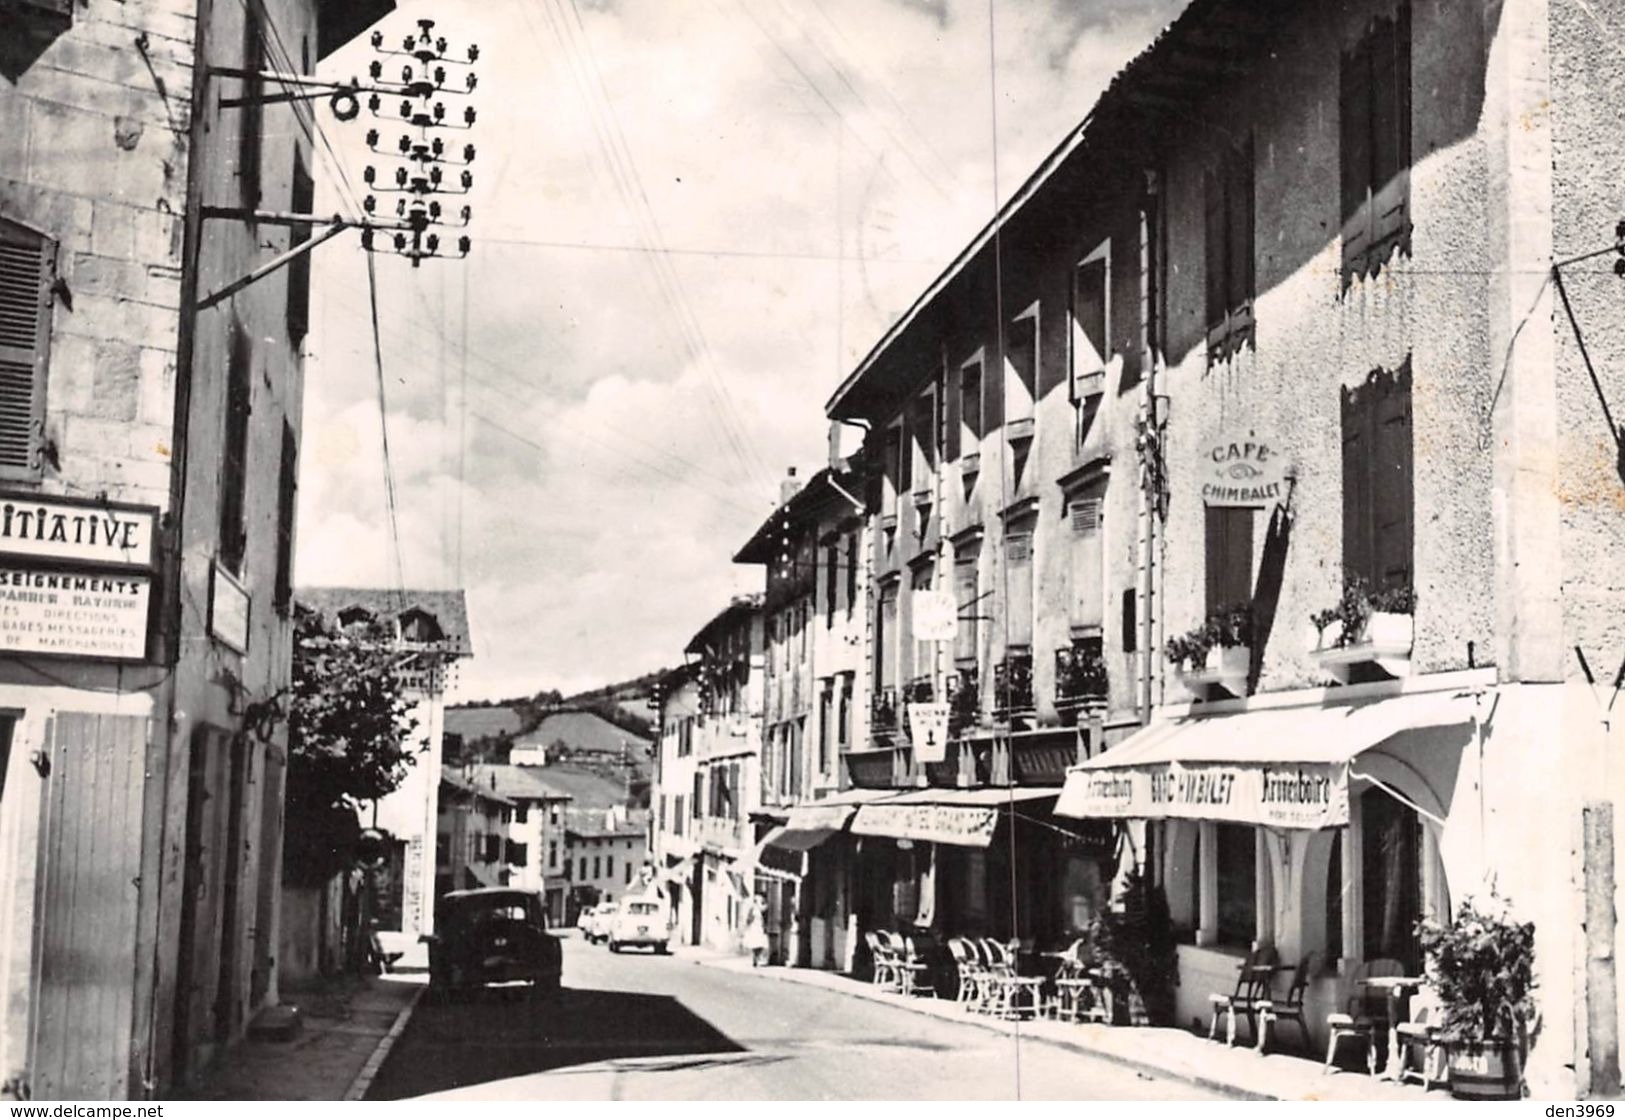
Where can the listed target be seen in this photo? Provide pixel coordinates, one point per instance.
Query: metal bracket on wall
(336, 224)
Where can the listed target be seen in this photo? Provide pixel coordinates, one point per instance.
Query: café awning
(1283, 767)
(966, 817)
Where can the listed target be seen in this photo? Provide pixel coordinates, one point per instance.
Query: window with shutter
(1018, 554)
(303, 201)
(287, 489)
(1131, 621)
(27, 269)
(970, 407)
(234, 453)
(924, 653)
(966, 649)
(886, 637)
(1229, 239)
(1021, 368)
(1087, 594)
(1091, 318)
(1374, 99)
(1229, 557)
(1378, 483)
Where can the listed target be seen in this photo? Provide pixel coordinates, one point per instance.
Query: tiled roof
(447, 608)
(482, 789)
(518, 783)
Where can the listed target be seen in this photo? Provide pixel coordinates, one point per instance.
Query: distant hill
(485, 730)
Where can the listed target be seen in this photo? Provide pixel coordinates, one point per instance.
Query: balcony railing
(1013, 685)
(919, 691)
(1080, 675)
(883, 713)
(964, 701)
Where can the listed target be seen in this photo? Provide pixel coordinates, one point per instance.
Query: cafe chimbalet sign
(75, 577)
(1243, 471)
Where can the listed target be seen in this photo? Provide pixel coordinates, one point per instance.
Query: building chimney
(790, 487)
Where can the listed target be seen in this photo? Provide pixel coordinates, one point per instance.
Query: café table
(1394, 989)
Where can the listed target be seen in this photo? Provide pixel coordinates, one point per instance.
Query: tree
(350, 738)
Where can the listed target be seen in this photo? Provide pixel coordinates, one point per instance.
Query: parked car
(602, 915)
(496, 935)
(584, 921)
(640, 921)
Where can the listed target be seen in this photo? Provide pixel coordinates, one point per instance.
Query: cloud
(583, 429)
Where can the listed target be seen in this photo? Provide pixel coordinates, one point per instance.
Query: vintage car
(639, 921)
(497, 935)
(598, 919)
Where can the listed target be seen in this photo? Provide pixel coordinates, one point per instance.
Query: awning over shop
(798, 839)
(966, 817)
(1284, 767)
(833, 813)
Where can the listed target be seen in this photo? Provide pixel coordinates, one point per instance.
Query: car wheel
(662, 948)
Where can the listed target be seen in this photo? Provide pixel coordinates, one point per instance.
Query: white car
(594, 922)
(639, 921)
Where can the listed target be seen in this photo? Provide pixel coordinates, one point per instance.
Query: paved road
(637, 1027)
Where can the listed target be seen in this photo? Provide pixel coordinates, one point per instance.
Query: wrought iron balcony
(883, 713)
(919, 691)
(1080, 675)
(964, 701)
(1013, 685)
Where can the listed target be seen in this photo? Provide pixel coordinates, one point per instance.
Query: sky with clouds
(691, 219)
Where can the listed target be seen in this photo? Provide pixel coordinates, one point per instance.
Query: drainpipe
(1150, 322)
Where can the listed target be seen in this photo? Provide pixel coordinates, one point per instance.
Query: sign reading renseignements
(74, 614)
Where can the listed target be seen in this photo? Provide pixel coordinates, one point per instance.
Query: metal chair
(1358, 1020)
(1252, 985)
(1290, 1007)
(1420, 1036)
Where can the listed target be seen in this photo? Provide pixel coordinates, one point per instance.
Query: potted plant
(1367, 626)
(1482, 967)
(1218, 652)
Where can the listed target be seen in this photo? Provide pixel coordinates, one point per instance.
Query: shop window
(1091, 335)
(27, 271)
(1391, 880)
(1378, 479)
(1375, 151)
(1229, 557)
(1228, 236)
(1021, 373)
(1237, 876)
(234, 452)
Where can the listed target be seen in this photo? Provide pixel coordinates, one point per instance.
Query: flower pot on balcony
(1224, 669)
(1384, 642)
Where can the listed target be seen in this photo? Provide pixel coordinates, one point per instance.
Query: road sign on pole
(928, 731)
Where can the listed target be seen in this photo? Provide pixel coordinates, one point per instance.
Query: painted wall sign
(74, 615)
(968, 825)
(1243, 470)
(1306, 795)
(42, 528)
(228, 610)
(928, 731)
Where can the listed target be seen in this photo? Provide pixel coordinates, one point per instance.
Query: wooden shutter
(1018, 553)
(303, 200)
(1354, 126)
(1086, 561)
(1090, 344)
(27, 265)
(1392, 485)
(287, 491)
(1213, 229)
(886, 639)
(1390, 47)
(234, 454)
(1238, 228)
(1358, 447)
(1229, 557)
(965, 591)
(1131, 621)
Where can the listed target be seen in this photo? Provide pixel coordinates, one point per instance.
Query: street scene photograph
(804, 550)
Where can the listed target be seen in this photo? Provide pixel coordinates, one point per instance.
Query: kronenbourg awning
(966, 817)
(1284, 767)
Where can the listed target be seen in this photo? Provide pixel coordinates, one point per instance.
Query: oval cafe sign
(1243, 470)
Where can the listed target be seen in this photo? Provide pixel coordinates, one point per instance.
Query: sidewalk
(346, 1028)
(1160, 1051)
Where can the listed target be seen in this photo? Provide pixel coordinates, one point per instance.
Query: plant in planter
(1356, 609)
(1217, 652)
(1482, 967)
(1188, 651)
(1133, 945)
